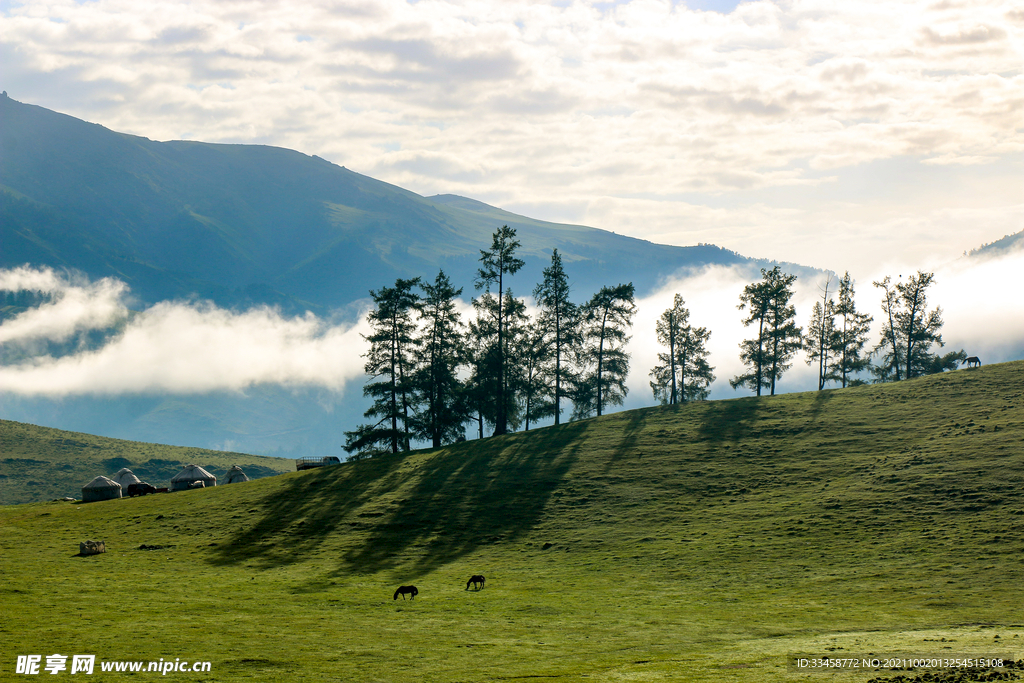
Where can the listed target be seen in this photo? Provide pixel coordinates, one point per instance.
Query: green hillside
(41, 463)
(707, 542)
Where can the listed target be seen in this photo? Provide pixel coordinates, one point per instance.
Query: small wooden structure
(310, 463)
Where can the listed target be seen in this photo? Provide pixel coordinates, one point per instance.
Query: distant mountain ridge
(242, 224)
(245, 225)
(999, 247)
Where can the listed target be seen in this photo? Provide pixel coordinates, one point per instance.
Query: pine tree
(559, 321)
(390, 362)
(822, 336)
(778, 337)
(607, 316)
(442, 350)
(852, 334)
(536, 365)
(479, 385)
(919, 327)
(517, 344)
(909, 330)
(496, 368)
(498, 261)
(755, 297)
(889, 349)
(684, 373)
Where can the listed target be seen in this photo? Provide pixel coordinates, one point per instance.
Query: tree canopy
(778, 338)
(683, 373)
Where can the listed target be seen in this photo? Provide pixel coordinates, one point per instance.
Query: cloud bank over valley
(188, 347)
(174, 346)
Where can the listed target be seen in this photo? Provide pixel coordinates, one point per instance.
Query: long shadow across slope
(468, 497)
(420, 510)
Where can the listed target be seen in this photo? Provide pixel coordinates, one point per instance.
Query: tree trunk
(500, 422)
(758, 369)
(394, 387)
(672, 357)
(600, 360)
(558, 365)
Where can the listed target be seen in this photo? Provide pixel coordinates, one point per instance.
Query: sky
(876, 137)
(837, 135)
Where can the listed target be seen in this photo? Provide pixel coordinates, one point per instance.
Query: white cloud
(173, 347)
(26, 278)
(981, 306)
(69, 310)
(190, 348)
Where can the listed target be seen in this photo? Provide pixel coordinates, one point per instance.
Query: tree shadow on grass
(729, 420)
(463, 499)
(635, 421)
(821, 400)
(420, 512)
(292, 523)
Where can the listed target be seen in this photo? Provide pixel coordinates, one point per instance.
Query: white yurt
(235, 475)
(100, 488)
(125, 477)
(191, 474)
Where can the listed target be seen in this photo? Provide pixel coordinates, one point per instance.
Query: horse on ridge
(477, 581)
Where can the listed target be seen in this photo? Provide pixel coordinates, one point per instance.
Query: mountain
(243, 224)
(709, 541)
(1001, 246)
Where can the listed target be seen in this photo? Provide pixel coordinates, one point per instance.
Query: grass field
(706, 542)
(42, 463)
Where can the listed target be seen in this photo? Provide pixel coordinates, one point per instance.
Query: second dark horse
(477, 581)
(411, 591)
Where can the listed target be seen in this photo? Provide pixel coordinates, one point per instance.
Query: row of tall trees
(838, 333)
(431, 373)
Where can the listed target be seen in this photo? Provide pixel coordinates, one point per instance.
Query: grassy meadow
(705, 542)
(42, 463)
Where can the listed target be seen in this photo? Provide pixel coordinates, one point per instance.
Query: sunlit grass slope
(42, 463)
(704, 542)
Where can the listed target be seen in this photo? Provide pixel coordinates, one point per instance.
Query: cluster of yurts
(192, 477)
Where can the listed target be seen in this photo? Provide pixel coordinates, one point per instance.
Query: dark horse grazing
(477, 581)
(407, 590)
(973, 362)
